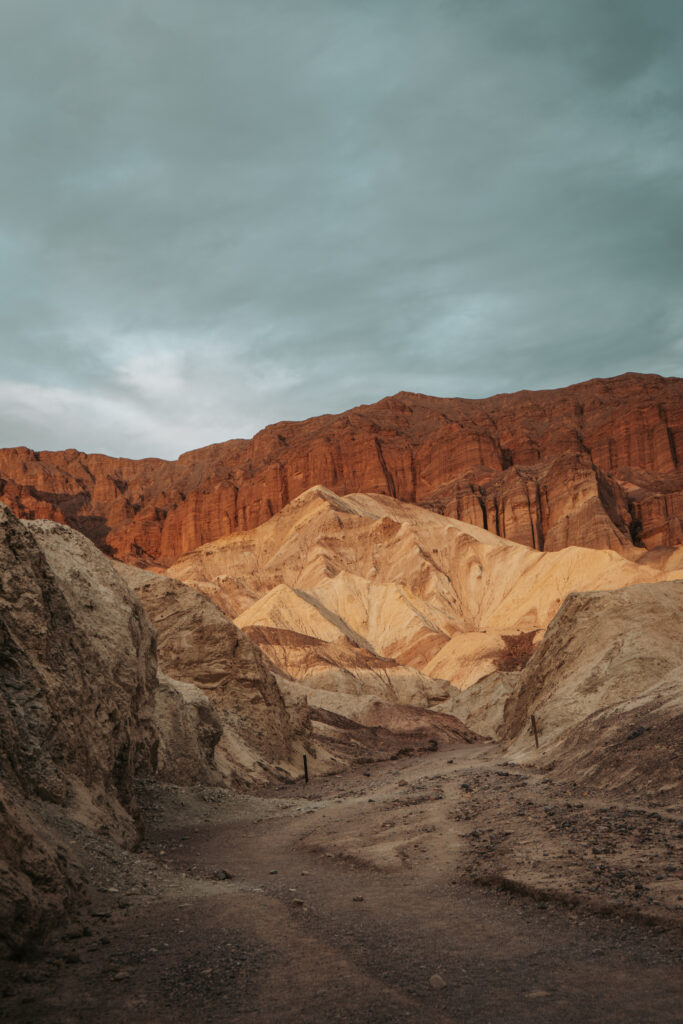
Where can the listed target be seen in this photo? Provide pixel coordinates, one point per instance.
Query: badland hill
(366, 595)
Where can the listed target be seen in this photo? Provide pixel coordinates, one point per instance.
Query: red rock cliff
(598, 464)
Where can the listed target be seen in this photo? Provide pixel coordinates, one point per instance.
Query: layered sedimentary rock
(346, 668)
(597, 465)
(331, 712)
(350, 593)
(378, 730)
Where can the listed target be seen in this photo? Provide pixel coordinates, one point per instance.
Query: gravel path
(443, 888)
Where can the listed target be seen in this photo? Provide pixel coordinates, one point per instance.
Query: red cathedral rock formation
(598, 464)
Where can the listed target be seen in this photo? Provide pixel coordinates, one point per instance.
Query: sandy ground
(448, 887)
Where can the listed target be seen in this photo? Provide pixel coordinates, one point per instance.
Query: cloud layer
(221, 214)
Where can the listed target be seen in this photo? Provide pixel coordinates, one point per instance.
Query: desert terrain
(448, 887)
(350, 749)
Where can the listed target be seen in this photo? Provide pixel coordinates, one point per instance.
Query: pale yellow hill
(477, 654)
(284, 607)
(404, 583)
(343, 668)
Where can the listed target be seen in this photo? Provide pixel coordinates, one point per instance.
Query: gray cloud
(218, 215)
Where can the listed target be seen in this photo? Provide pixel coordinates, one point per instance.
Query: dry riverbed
(449, 887)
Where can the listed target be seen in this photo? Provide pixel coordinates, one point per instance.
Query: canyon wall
(597, 464)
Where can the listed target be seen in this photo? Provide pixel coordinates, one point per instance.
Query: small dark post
(306, 768)
(533, 726)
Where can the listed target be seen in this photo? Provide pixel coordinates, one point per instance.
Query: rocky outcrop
(599, 464)
(313, 697)
(203, 649)
(187, 732)
(78, 674)
(605, 690)
(378, 731)
(350, 594)
(481, 706)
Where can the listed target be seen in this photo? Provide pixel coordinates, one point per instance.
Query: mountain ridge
(598, 464)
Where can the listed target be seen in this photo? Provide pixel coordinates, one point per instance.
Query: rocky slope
(78, 677)
(598, 465)
(364, 593)
(199, 645)
(606, 689)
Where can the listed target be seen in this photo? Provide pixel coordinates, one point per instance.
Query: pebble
(436, 981)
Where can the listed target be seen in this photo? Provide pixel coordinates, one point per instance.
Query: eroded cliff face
(77, 678)
(83, 716)
(598, 464)
(199, 645)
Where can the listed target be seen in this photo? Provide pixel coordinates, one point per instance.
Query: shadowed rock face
(596, 465)
(77, 677)
(83, 714)
(78, 665)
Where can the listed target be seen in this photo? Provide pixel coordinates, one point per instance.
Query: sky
(221, 214)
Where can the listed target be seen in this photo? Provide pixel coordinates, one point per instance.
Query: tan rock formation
(188, 730)
(595, 465)
(269, 720)
(606, 689)
(474, 654)
(392, 731)
(344, 668)
(481, 706)
(199, 646)
(383, 579)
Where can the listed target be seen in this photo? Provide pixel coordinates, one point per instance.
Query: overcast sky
(222, 213)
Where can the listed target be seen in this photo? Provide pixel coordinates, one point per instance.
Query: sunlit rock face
(365, 594)
(597, 464)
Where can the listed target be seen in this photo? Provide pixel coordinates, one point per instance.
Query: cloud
(151, 370)
(218, 216)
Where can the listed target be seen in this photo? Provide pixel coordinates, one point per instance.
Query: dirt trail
(381, 895)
